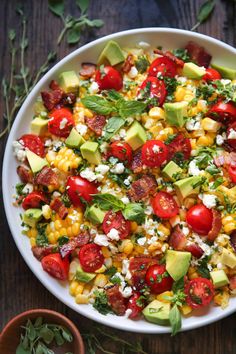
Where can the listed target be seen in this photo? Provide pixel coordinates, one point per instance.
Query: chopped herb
(63, 240)
(175, 320)
(101, 302)
(134, 212)
(108, 201)
(142, 64)
(178, 285)
(217, 182)
(19, 189)
(170, 138)
(111, 271)
(171, 85)
(115, 280)
(41, 238)
(202, 268)
(112, 127)
(66, 200)
(182, 54)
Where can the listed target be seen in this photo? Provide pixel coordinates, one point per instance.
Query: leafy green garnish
(171, 85)
(98, 104)
(19, 188)
(111, 271)
(108, 201)
(130, 107)
(112, 127)
(217, 182)
(202, 268)
(182, 54)
(41, 238)
(66, 200)
(178, 285)
(63, 240)
(134, 212)
(204, 12)
(175, 320)
(142, 64)
(101, 302)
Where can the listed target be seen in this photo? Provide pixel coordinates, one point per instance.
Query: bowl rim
(205, 320)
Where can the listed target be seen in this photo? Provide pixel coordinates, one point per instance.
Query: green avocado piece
(184, 187)
(157, 312)
(111, 53)
(176, 113)
(90, 152)
(83, 276)
(227, 73)
(69, 81)
(228, 258)
(170, 170)
(193, 71)
(36, 162)
(32, 216)
(39, 126)
(219, 278)
(136, 136)
(39, 108)
(177, 263)
(74, 140)
(95, 214)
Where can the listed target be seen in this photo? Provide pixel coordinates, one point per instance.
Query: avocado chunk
(111, 53)
(39, 126)
(95, 214)
(74, 140)
(176, 113)
(157, 312)
(177, 263)
(85, 277)
(228, 258)
(170, 170)
(39, 108)
(136, 136)
(219, 278)
(90, 152)
(227, 73)
(69, 81)
(185, 187)
(36, 162)
(193, 71)
(32, 216)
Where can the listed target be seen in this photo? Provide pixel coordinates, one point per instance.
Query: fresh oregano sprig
(204, 12)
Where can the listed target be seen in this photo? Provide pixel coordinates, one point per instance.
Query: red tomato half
(153, 88)
(164, 205)
(154, 153)
(200, 292)
(77, 188)
(200, 219)
(211, 75)
(223, 112)
(179, 148)
(109, 78)
(164, 66)
(33, 143)
(91, 257)
(61, 122)
(34, 200)
(121, 150)
(56, 266)
(116, 221)
(231, 141)
(158, 279)
(136, 304)
(232, 173)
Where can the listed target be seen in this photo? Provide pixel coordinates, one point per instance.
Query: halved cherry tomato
(200, 219)
(154, 153)
(56, 266)
(116, 221)
(179, 148)
(91, 257)
(231, 141)
(232, 173)
(163, 66)
(211, 75)
(158, 279)
(136, 304)
(138, 267)
(61, 122)
(153, 88)
(34, 200)
(223, 112)
(33, 143)
(199, 291)
(79, 188)
(109, 78)
(164, 205)
(121, 150)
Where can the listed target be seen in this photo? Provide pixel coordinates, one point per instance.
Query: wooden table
(19, 288)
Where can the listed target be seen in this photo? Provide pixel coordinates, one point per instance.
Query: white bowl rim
(205, 320)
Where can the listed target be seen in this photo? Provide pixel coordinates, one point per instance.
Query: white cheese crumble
(103, 169)
(19, 151)
(127, 291)
(82, 128)
(152, 240)
(220, 139)
(133, 72)
(148, 210)
(141, 241)
(193, 169)
(127, 313)
(122, 133)
(193, 124)
(118, 168)
(88, 174)
(103, 147)
(101, 240)
(28, 188)
(63, 123)
(209, 200)
(232, 134)
(125, 269)
(94, 88)
(125, 200)
(113, 234)
(156, 149)
(143, 45)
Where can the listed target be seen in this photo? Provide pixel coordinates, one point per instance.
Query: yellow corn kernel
(82, 299)
(191, 270)
(51, 238)
(222, 299)
(197, 133)
(180, 93)
(75, 228)
(201, 105)
(139, 249)
(193, 111)
(88, 113)
(186, 310)
(47, 211)
(193, 143)
(63, 231)
(163, 297)
(69, 231)
(157, 113)
(154, 246)
(182, 214)
(106, 253)
(189, 202)
(73, 287)
(149, 123)
(210, 125)
(193, 275)
(100, 280)
(127, 247)
(144, 118)
(57, 224)
(227, 219)
(228, 228)
(32, 241)
(79, 289)
(205, 140)
(165, 230)
(34, 232)
(133, 226)
(87, 289)
(188, 97)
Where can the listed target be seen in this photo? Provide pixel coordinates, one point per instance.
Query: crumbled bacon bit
(116, 300)
(96, 124)
(88, 70)
(141, 188)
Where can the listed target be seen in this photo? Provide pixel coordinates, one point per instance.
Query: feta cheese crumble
(19, 151)
(101, 240)
(63, 123)
(113, 234)
(82, 128)
(118, 168)
(209, 200)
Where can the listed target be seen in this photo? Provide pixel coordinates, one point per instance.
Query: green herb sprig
(204, 12)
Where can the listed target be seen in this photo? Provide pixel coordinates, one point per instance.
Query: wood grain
(19, 289)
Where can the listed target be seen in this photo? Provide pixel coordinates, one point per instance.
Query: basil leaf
(112, 127)
(83, 5)
(134, 212)
(56, 7)
(73, 35)
(129, 108)
(175, 320)
(98, 104)
(142, 64)
(108, 201)
(178, 285)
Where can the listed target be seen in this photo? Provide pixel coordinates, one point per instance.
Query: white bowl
(169, 39)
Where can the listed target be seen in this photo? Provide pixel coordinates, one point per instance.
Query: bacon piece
(170, 56)
(51, 98)
(141, 188)
(47, 177)
(216, 226)
(25, 174)
(77, 241)
(232, 282)
(40, 251)
(116, 300)
(129, 62)
(196, 250)
(137, 164)
(54, 85)
(58, 206)
(68, 99)
(96, 124)
(177, 239)
(198, 54)
(138, 268)
(233, 240)
(88, 70)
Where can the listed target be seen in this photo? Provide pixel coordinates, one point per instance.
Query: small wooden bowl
(10, 335)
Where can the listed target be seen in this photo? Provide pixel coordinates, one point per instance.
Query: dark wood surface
(19, 288)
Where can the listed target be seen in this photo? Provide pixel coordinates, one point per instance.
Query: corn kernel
(180, 93)
(32, 241)
(154, 246)
(188, 97)
(52, 238)
(228, 228)
(82, 299)
(210, 125)
(57, 224)
(205, 140)
(157, 113)
(106, 253)
(165, 230)
(75, 228)
(133, 226)
(100, 280)
(186, 310)
(88, 113)
(163, 297)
